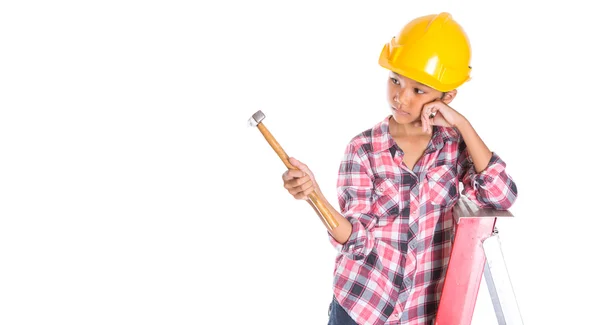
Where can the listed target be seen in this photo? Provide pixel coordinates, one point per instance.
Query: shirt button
(412, 244)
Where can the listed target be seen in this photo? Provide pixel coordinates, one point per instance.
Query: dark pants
(338, 316)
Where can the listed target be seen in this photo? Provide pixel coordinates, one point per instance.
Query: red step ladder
(476, 251)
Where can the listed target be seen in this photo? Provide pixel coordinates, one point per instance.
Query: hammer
(324, 213)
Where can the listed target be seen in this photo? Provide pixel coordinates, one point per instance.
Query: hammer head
(256, 118)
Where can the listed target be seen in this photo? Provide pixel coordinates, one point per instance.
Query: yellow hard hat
(433, 50)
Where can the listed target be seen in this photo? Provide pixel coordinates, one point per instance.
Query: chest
(431, 186)
(413, 149)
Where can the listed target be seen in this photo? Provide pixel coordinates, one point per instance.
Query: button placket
(414, 199)
(413, 244)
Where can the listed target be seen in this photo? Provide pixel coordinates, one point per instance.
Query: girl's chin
(402, 118)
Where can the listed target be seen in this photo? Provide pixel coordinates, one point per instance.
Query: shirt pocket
(386, 187)
(442, 182)
(386, 200)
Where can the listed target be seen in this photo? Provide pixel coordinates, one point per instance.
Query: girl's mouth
(401, 112)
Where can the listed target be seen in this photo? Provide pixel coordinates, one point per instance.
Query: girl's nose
(400, 97)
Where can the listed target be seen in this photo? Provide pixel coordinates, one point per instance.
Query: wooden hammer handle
(324, 213)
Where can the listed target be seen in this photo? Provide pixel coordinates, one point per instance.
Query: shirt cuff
(487, 176)
(358, 245)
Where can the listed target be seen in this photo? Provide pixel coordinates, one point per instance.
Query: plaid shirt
(392, 268)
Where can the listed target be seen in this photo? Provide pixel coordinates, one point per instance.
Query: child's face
(407, 97)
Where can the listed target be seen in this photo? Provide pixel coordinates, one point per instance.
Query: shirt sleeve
(355, 189)
(492, 187)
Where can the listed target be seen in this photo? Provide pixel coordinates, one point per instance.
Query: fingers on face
(424, 119)
(433, 113)
(428, 116)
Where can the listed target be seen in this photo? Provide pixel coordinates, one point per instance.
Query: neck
(404, 130)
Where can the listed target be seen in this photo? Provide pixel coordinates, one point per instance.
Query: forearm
(342, 232)
(479, 152)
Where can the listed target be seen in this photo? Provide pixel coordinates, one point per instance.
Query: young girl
(399, 180)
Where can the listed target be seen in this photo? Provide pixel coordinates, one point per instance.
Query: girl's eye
(395, 81)
(419, 91)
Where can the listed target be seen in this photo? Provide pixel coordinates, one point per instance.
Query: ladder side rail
(467, 260)
(499, 284)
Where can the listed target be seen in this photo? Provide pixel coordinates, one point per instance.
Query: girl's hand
(443, 115)
(300, 183)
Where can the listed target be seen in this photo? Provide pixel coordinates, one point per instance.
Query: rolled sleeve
(492, 187)
(355, 189)
(359, 244)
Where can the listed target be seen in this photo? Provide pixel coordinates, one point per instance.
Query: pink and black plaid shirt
(392, 268)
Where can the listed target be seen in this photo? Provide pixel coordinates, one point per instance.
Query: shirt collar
(382, 139)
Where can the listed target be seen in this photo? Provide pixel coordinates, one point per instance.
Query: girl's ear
(449, 96)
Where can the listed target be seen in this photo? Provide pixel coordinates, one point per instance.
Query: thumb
(298, 164)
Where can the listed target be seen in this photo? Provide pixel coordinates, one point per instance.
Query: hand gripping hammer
(325, 214)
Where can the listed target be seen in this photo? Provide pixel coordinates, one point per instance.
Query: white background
(132, 191)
